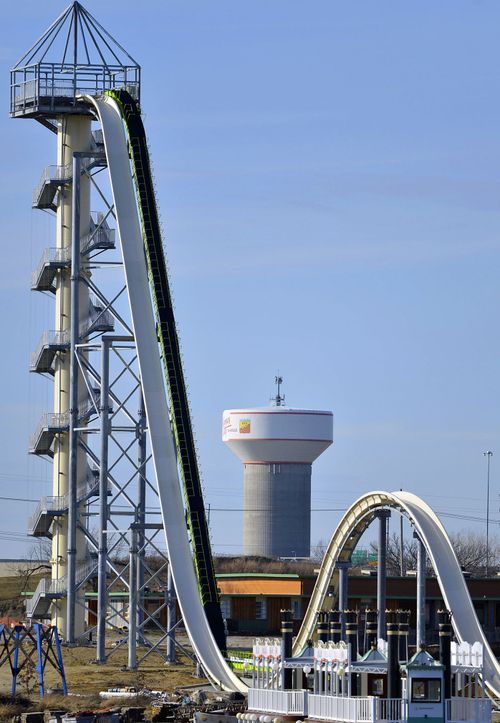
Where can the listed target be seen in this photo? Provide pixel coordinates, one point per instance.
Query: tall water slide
(134, 219)
(155, 398)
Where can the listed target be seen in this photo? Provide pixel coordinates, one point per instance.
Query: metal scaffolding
(116, 509)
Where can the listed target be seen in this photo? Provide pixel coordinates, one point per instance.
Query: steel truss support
(118, 513)
(36, 647)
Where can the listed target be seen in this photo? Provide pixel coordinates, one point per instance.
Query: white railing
(59, 422)
(100, 234)
(343, 710)
(49, 338)
(47, 587)
(98, 317)
(50, 255)
(287, 702)
(391, 710)
(466, 710)
(59, 503)
(46, 504)
(52, 174)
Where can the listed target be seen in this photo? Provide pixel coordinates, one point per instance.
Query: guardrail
(465, 710)
(49, 338)
(52, 174)
(287, 702)
(51, 255)
(344, 710)
(58, 503)
(100, 236)
(57, 588)
(50, 420)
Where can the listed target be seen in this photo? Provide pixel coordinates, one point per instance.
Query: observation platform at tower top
(75, 56)
(277, 434)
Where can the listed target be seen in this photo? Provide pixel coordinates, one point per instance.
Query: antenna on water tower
(279, 399)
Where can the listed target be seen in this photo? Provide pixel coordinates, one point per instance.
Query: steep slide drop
(172, 363)
(440, 550)
(187, 583)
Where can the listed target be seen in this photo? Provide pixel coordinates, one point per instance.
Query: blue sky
(329, 179)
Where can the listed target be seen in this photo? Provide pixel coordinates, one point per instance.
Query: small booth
(425, 689)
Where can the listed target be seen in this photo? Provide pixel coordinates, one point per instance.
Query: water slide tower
(277, 446)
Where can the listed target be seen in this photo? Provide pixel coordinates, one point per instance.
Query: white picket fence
(356, 710)
(465, 710)
(288, 702)
(359, 710)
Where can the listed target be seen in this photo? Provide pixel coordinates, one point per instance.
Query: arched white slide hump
(155, 398)
(449, 575)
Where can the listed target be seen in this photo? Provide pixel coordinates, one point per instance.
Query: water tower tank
(277, 446)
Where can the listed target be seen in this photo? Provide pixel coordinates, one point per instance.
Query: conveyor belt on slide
(440, 550)
(172, 363)
(163, 449)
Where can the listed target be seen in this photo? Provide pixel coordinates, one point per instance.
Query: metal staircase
(48, 508)
(52, 261)
(48, 590)
(100, 237)
(51, 424)
(45, 193)
(51, 342)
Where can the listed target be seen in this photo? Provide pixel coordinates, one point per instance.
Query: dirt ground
(84, 676)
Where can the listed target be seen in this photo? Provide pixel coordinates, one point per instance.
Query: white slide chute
(155, 399)
(440, 550)
(351, 527)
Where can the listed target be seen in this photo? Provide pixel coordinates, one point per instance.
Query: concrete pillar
(352, 640)
(343, 568)
(171, 615)
(335, 630)
(383, 516)
(132, 602)
(421, 576)
(141, 515)
(403, 629)
(393, 674)
(286, 648)
(74, 135)
(102, 596)
(371, 629)
(322, 627)
(444, 622)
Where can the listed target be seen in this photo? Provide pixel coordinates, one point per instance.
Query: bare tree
(470, 549)
(36, 564)
(318, 550)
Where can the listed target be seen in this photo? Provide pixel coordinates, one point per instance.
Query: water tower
(277, 446)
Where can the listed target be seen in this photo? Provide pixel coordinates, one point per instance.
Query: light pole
(488, 456)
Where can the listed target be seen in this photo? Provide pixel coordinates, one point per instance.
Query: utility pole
(401, 544)
(488, 456)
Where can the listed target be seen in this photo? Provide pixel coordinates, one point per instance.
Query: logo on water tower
(244, 426)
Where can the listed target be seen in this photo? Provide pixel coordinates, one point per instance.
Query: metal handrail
(52, 174)
(49, 338)
(44, 83)
(59, 421)
(51, 255)
(100, 234)
(47, 587)
(55, 420)
(59, 503)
